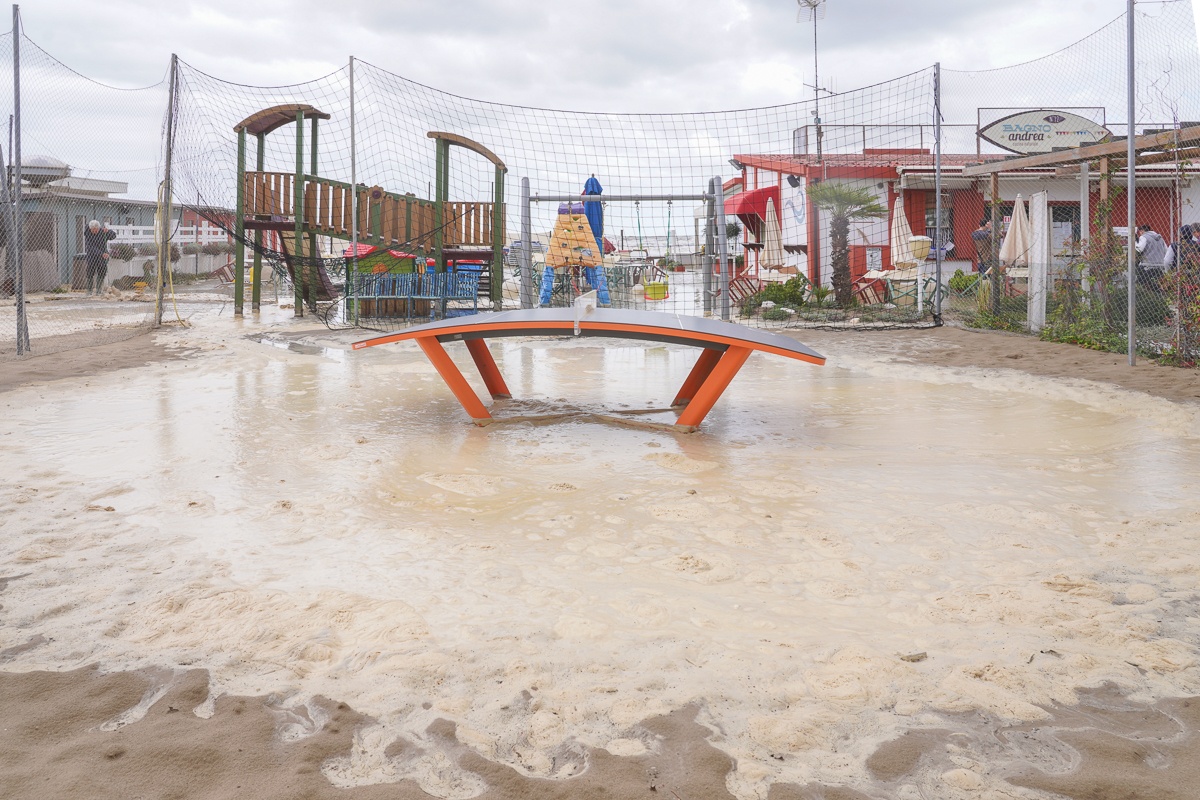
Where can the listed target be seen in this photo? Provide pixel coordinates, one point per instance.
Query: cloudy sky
(638, 56)
(660, 55)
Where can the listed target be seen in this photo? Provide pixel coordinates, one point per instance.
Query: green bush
(776, 314)
(147, 249)
(121, 251)
(191, 248)
(960, 282)
(216, 248)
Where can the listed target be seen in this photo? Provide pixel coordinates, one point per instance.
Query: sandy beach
(242, 560)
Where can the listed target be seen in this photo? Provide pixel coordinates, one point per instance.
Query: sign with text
(1043, 131)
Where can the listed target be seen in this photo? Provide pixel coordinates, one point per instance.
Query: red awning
(751, 207)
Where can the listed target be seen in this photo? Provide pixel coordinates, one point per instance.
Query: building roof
(868, 159)
(88, 186)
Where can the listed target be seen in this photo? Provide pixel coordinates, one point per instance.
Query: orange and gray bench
(725, 349)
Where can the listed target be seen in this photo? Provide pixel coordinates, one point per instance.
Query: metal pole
(937, 188)
(722, 249)
(1085, 220)
(525, 254)
(1131, 195)
(710, 256)
(164, 247)
(816, 89)
(353, 268)
(18, 213)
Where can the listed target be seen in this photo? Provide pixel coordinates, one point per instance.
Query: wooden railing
(384, 218)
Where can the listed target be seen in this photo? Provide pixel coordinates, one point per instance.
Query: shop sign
(1043, 131)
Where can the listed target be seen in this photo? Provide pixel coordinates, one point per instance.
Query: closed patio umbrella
(1014, 250)
(901, 237)
(772, 252)
(595, 217)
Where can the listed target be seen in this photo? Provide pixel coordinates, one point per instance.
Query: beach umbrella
(901, 237)
(1014, 250)
(772, 252)
(595, 211)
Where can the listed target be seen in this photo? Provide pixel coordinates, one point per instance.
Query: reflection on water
(306, 520)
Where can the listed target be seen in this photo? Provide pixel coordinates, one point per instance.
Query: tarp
(595, 211)
(751, 208)
(1040, 256)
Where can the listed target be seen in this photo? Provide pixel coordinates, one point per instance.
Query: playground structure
(725, 348)
(300, 206)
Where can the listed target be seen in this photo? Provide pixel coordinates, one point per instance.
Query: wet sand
(919, 715)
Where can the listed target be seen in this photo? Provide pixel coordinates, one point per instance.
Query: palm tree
(844, 203)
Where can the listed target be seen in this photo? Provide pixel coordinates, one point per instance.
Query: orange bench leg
(695, 379)
(487, 368)
(436, 354)
(713, 386)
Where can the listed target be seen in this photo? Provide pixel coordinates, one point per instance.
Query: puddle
(336, 526)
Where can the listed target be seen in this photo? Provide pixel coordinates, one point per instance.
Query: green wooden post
(298, 210)
(312, 235)
(239, 247)
(256, 283)
(439, 205)
(498, 236)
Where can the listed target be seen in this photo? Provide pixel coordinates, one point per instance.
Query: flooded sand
(841, 555)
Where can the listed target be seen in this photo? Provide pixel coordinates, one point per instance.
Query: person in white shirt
(1152, 255)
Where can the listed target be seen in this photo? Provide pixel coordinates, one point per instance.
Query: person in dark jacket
(95, 250)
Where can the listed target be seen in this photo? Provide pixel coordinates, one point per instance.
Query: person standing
(984, 246)
(95, 250)
(1152, 255)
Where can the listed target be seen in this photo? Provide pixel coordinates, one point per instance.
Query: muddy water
(842, 553)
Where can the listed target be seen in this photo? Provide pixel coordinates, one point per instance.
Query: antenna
(816, 11)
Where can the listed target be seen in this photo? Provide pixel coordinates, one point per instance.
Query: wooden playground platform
(725, 349)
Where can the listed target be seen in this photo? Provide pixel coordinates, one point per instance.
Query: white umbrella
(772, 252)
(1014, 251)
(901, 238)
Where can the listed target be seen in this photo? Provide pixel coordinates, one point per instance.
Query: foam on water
(301, 524)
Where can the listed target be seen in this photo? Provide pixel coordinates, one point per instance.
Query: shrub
(191, 248)
(961, 282)
(122, 251)
(215, 248)
(776, 314)
(147, 249)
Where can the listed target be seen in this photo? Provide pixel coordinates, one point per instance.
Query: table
(725, 348)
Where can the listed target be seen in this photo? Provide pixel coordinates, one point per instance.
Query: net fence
(374, 201)
(491, 196)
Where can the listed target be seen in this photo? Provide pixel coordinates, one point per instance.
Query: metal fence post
(709, 260)
(352, 267)
(1131, 198)
(722, 247)
(937, 189)
(525, 254)
(18, 213)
